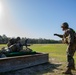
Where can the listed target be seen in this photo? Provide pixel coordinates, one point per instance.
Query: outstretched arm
(61, 36)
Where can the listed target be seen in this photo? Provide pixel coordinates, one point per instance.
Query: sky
(36, 18)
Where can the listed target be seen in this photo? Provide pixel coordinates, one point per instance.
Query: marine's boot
(73, 68)
(68, 71)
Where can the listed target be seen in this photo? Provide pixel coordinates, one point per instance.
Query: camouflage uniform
(69, 38)
(11, 42)
(14, 45)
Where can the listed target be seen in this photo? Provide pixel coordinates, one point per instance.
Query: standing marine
(69, 38)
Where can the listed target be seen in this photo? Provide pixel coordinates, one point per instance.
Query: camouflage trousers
(70, 53)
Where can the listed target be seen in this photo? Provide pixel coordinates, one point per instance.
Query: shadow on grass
(35, 70)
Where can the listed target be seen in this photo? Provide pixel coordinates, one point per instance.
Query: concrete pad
(20, 62)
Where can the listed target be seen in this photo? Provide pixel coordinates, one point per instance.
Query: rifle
(26, 43)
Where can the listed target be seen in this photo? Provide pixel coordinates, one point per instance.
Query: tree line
(4, 40)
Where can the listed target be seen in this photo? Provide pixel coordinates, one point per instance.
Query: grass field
(57, 51)
(57, 55)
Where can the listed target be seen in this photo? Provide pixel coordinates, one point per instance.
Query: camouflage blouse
(69, 36)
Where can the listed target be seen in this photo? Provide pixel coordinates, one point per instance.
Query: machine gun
(26, 43)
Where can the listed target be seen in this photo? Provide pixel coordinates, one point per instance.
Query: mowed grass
(2, 45)
(57, 51)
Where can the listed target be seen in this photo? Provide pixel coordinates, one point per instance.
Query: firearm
(26, 43)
